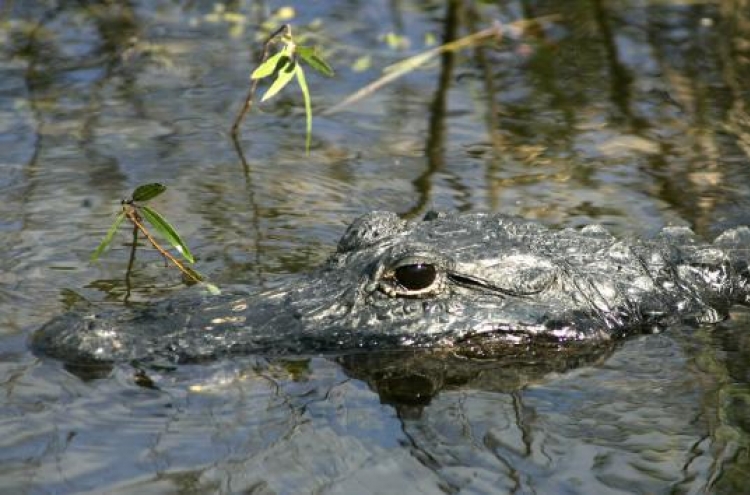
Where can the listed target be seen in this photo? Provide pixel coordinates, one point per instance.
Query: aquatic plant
(136, 213)
(282, 67)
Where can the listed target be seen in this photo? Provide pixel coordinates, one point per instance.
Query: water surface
(632, 114)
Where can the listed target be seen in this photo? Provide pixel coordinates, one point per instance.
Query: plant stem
(412, 63)
(134, 218)
(284, 30)
(131, 262)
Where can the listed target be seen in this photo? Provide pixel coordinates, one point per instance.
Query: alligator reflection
(543, 408)
(409, 380)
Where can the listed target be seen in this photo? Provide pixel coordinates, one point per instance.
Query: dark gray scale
(459, 282)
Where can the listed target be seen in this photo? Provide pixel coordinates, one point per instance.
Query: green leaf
(308, 105)
(167, 231)
(148, 191)
(108, 237)
(309, 54)
(282, 79)
(272, 64)
(211, 289)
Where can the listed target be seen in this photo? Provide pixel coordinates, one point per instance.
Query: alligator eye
(417, 276)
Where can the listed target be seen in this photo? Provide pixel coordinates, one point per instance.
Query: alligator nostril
(417, 276)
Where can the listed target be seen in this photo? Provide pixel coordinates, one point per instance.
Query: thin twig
(132, 215)
(408, 65)
(285, 29)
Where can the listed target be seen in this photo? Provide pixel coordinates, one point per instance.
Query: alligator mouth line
(475, 283)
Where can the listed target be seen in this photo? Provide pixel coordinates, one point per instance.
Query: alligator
(477, 285)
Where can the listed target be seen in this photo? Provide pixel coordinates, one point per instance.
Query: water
(631, 114)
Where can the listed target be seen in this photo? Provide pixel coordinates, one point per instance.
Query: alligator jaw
(476, 283)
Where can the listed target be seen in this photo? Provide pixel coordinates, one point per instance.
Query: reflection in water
(632, 114)
(415, 378)
(435, 139)
(635, 420)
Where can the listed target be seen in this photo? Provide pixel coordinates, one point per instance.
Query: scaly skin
(475, 284)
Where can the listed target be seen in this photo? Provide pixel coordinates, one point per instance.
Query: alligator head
(475, 284)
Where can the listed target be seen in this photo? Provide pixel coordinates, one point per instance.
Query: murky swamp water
(632, 114)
